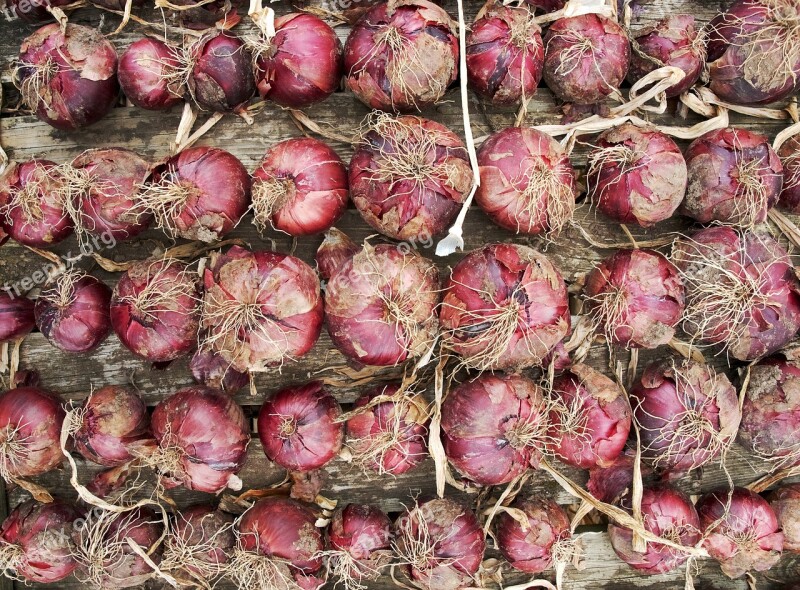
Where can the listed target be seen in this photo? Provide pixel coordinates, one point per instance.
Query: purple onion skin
(16, 316)
(34, 11)
(672, 41)
(84, 88)
(530, 549)
(727, 518)
(201, 524)
(785, 501)
(142, 68)
(360, 530)
(336, 249)
(789, 154)
(222, 78)
(587, 77)
(80, 323)
(210, 369)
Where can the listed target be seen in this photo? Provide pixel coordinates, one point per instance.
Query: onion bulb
(200, 541)
(221, 77)
(16, 316)
(148, 74)
(785, 502)
(360, 538)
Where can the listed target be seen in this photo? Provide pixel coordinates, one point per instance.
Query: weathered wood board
(150, 133)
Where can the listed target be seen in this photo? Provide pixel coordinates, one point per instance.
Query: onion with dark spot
(221, 77)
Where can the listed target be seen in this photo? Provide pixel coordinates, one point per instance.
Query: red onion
(203, 436)
(785, 502)
(32, 207)
(543, 540)
(609, 484)
(742, 531)
(505, 306)
(72, 311)
(667, 513)
(221, 76)
(409, 176)
(636, 175)
(360, 537)
(201, 16)
(789, 154)
(441, 544)
(494, 427)
(298, 427)
(527, 181)
(505, 54)
(210, 369)
(336, 249)
(687, 414)
(16, 316)
(35, 541)
(300, 187)
(585, 58)
(199, 194)
(301, 64)
(30, 431)
(107, 182)
(589, 418)
(148, 74)
(636, 297)
(200, 542)
(277, 541)
(107, 560)
(672, 41)
(155, 309)
(390, 436)
(734, 177)
(113, 422)
(753, 52)
(260, 309)
(401, 55)
(380, 307)
(741, 291)
(68, 78)
(34, 11)
(771, 412)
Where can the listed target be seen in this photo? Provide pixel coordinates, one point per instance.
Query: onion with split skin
(148, 74)
(505, 306)
(360, 537)
(527, 181)
(380, 306)
(300, 187)
(401, 55)
(219, 73)
(68, 78)
(209, 368)
(16, 316)
(741, 531)
(494, 427)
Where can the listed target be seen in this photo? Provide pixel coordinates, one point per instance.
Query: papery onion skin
(405, 206)
(167, 328)
(494, 427)
(672, 41)
(665, 511)
(741, 291)
(579, 76)
(283, 288)
(113, 421)
(336, 249)
(405, 422)
(360, 530)
(741, 531)
(401, 56)
(527, 181)
(144, 74)
(531, 549)
(380, 307)
(505, 54)
(222, 77)
(636, 297)
(41, 533)
(589, 419)
(671, 401)
(203, 526)
(789, 154)
(31, 207)
(298, 427)
(72, 312)
(211, 190)
(771, 411)
(300, 187)
(524, 286)
(302, 64)
(785, 502)
(30, 431)
(454, 539)
(209, 432)
(734, 177)
(77, 75)
(636, 175)
(210, 369)
(16, 316)
(108, 204)
(609, 484)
